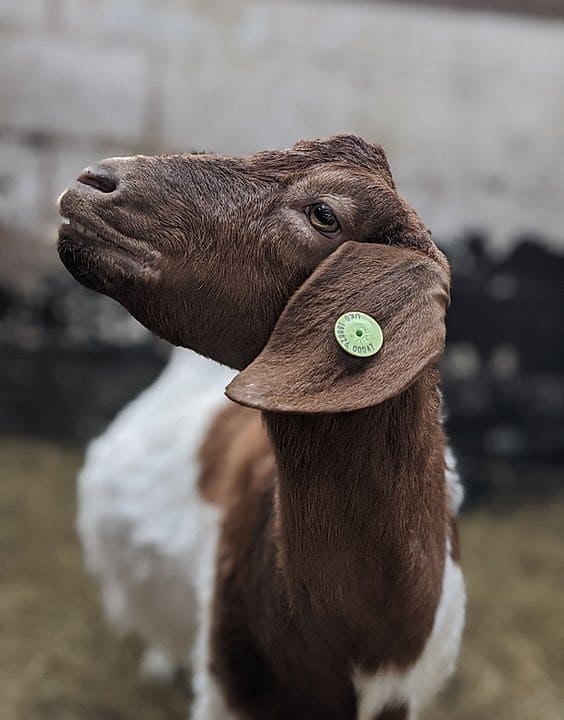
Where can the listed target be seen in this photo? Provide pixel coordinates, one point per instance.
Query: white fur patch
(416, 686)
(209, 703)
(455, 489)
(144, 528)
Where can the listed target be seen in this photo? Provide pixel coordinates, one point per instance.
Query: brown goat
(336, 588)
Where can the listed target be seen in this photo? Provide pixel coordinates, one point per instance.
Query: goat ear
(303, 369)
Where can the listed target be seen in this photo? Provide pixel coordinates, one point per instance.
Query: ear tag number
(358, 334)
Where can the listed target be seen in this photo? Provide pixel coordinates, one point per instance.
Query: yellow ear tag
(358, 334)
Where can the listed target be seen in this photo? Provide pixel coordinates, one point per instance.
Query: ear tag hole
(358, 334)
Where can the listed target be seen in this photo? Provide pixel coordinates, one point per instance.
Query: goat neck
(361, 515)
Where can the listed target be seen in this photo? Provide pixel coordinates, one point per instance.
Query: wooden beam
(539, 8)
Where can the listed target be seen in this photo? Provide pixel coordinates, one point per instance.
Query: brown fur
(236, 450)
(335, 517)
(311, 578)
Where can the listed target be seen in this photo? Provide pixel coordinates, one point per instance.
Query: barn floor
(58, 661)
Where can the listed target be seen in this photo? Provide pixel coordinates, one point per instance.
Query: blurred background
(466, 98)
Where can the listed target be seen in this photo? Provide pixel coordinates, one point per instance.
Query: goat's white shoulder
(140, 516)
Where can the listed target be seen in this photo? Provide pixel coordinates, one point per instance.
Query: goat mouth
(95, 256)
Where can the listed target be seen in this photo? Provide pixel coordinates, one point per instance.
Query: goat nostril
(100, 178)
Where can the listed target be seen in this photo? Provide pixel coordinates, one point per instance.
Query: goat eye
(322, 218)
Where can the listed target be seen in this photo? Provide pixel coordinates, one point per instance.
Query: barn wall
(468, 105)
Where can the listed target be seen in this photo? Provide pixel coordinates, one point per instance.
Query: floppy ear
(303, 369)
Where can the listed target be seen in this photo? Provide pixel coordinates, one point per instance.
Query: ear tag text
(358, 334)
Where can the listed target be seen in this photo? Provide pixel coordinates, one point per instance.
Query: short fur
(333, 569)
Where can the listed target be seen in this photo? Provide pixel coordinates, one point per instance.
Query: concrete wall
(469, 106)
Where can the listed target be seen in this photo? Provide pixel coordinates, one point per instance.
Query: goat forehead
(270, 166)
(243, 184)
(344, 166)
(347, 150)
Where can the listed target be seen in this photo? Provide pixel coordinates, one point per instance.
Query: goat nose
(103, 179)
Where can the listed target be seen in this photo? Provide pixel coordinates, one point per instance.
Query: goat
(323, 550)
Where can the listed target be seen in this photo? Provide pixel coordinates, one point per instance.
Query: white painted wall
(469, 106)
